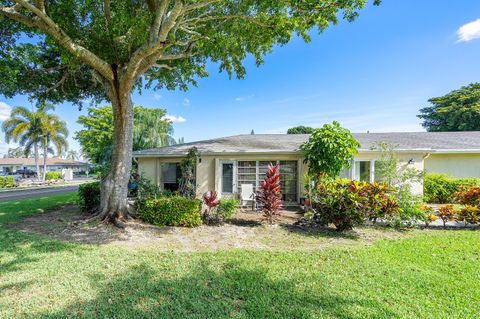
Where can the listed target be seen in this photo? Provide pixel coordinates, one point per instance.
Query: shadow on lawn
(23, 249)
(232, 291)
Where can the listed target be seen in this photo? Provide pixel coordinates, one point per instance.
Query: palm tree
(25, 127)
(151, 130)
(54, 131)
(72, 155)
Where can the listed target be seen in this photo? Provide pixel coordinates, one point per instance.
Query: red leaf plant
(211, 200)
(270, 197)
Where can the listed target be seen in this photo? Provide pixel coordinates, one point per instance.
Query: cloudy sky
(370, 75)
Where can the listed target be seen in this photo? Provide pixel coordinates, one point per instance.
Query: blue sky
(370, 75)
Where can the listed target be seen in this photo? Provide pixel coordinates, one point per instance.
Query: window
(227, 178)
(253, 172)
(247, 173)
(170, 176)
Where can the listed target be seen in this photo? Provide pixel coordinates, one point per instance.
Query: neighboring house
(227, 163)
(11, 165)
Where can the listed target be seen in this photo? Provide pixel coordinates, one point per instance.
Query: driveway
(43, 191)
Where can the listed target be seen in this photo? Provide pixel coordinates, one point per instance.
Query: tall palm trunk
(45, 152)
(37, 157)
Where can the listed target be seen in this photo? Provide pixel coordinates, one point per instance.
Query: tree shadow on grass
(20, 250)
(207, 292)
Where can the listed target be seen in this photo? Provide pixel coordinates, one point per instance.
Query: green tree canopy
(300, 130)
(459, 110)
(329, 150)
(150, 130)
(104, 50)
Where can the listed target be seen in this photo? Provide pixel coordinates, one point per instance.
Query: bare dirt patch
(245, 231)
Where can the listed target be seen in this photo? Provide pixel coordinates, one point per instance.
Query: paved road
(29, 193)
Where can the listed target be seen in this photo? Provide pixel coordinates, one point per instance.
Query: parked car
(4, 174)
(26, 172)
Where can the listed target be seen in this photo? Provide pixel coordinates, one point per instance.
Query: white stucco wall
(456, 165)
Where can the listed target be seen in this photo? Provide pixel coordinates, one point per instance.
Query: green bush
(53, 176)
(89, 196)
(228, 207)
(171, 211)
(441, 188)
(346, 203)
(7, 181)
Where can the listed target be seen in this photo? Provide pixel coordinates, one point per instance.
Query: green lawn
(431, 274)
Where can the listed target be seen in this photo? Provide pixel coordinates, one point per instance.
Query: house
(227, 163)
(11, 165)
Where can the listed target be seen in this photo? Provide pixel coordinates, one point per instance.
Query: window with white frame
(253, 172)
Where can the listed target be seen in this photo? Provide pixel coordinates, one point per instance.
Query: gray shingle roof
(284, 143)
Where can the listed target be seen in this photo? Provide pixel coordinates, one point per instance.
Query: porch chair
(247, 195)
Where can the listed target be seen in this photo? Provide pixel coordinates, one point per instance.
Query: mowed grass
(431, 274)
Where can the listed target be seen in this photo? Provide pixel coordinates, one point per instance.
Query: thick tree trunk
(114, 189)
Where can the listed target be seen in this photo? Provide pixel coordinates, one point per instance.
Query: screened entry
(253, 172)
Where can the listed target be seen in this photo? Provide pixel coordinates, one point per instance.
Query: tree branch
(11, 13)
(142, 55)
(49, 27)
(200, 5)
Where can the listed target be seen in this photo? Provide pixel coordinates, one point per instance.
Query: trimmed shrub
(89, 197)
(7, 182)
(171, 211)
(228, 207)
(347, 203)
(53, 176)
(441, 188)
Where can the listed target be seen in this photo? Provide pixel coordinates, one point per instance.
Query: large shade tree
(458, 110)
(105, 49)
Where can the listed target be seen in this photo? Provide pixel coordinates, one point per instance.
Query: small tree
(270, 196)
(300, 130)
(329, 150)
(446, 213)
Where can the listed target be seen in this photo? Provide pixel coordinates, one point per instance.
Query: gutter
(220, 153)
(428, 151)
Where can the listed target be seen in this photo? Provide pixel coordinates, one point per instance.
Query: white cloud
(186, 102)
(5, 110)
(174, 118)
(469, 31)
(157, 96)
(244, 98)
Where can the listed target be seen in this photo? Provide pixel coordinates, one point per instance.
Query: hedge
(53, 176)
(7, 182)
(89, 196)
(171, 211)
(441, 188)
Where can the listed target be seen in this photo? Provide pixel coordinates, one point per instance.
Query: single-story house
(11, 165)
(226, 163)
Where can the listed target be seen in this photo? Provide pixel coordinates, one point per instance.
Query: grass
(431, 274)
(11, 211)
